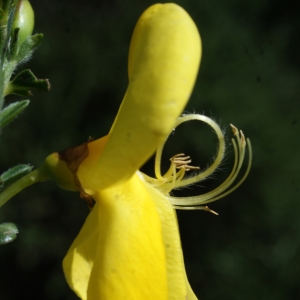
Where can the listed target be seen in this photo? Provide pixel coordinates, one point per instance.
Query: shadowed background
(249, 76)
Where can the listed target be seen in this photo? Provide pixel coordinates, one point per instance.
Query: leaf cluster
(17, 46)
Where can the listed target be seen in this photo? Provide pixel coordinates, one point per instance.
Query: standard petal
(163, 63)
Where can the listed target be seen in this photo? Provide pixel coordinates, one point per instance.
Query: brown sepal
(73, 157)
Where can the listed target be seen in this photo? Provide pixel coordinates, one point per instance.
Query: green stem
(29, 179)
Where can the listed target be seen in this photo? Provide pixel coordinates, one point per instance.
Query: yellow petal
(190, 294)
(130, 258)
(128, 248)
(78, 263)
(85, 172)
(163, 63)
(178, 285)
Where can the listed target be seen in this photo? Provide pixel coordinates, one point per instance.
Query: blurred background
(249, 76)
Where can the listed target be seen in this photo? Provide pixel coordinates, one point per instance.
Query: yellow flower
(129, 246)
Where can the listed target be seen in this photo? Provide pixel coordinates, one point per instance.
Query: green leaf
(13, 174)
(13, 43)
(11, 111)
(24, 82)
(8, 233)
(7, 11)
(28, 47)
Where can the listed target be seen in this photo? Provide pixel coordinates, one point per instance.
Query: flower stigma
(175, 177)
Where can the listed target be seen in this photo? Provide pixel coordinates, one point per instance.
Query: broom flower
(129, 246)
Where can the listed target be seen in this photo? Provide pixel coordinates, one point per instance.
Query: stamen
(174, 179)
(222, 190)
(182, 162)
(168, 181)
(205, 208)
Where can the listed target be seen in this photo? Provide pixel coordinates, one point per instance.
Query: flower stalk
(26, 181)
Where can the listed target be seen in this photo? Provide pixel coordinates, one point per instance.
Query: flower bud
(24, 20)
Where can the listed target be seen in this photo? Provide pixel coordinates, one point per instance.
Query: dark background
(249, 76)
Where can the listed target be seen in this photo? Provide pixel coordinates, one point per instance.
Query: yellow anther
(206, 208)
(234, 130)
